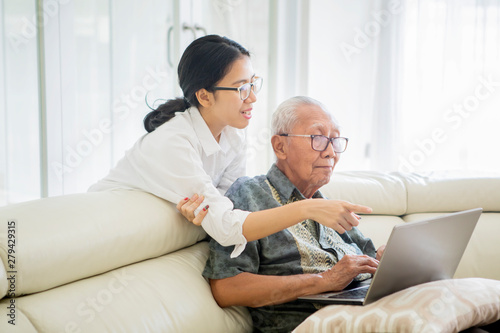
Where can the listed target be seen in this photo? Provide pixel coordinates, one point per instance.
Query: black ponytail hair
(204, 63)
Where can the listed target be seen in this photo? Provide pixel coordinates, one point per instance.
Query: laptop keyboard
(351, 294)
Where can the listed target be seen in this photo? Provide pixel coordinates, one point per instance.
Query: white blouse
(181, 158)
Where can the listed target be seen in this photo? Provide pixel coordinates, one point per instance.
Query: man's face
(310, 169)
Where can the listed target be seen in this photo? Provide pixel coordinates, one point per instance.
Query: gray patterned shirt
(307, 247)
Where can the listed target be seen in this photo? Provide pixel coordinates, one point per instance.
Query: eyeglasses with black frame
(245, 89)
(320, 142)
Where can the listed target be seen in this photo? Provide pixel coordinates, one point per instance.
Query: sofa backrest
(384, 193)
(67, 238)
(408, 193)
(450, 192)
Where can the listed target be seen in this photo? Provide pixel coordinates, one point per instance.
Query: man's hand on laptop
(342, 273)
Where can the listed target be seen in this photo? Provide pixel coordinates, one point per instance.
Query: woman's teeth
(247, 114)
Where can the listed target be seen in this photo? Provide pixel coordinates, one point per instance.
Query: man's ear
(279, 146)
(205, 98)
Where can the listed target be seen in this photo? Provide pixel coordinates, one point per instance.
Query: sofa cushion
(384, 193)
(66, 238)
(440, 306)
(164, 294)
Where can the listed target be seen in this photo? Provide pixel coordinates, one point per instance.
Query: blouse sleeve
(171, 168)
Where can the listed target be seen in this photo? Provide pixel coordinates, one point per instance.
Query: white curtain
(414, 84)
(450, 110)
(353, 53)
(19, 101)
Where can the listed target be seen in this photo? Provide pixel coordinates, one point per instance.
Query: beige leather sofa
(126, 261)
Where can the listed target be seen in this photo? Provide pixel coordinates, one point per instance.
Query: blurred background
(415, 84)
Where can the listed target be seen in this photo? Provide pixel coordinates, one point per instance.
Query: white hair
(285, 116)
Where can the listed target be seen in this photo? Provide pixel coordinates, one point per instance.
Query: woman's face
(228, 109)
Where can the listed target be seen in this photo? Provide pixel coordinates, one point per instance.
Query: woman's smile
(247, 113)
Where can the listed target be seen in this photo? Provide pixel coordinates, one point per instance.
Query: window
(450, 86)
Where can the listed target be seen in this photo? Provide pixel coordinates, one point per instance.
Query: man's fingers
(352, 265)
(369, 269)
(368, 264)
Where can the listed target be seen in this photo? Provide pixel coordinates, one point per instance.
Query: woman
(196, 144)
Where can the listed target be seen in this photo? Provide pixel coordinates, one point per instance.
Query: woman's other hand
(187, 207)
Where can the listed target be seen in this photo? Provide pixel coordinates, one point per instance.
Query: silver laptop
(416, 253)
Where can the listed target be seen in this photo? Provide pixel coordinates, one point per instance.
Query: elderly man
(306, 258)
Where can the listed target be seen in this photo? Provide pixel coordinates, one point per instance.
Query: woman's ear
(205, 98)
(279, 146)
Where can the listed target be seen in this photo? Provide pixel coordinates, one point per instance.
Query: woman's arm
(336, 214)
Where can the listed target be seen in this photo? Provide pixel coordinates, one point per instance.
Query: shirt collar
(284, 186)
(207, 140)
